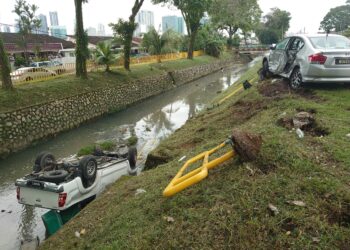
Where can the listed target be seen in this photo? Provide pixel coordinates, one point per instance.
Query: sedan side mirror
(273, 46)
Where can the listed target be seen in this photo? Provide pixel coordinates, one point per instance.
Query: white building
(145, 20)
(101, 30)
(91, 31)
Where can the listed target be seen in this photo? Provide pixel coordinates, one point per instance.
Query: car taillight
(317, 59)
(62, 199)
(18, 193)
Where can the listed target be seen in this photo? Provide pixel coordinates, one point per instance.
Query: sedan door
(278, 57)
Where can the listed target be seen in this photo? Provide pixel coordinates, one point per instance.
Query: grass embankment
(229, 209)
(27, 94)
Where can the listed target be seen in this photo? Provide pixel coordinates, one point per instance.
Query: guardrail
(34, 74)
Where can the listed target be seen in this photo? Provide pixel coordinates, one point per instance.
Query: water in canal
(151, 121)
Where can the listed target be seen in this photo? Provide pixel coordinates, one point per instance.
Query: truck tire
(88, 166)
(43, 160)
(132, 157)
(56, 176)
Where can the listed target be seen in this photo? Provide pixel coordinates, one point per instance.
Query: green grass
(28, 94)
(229, 209)
(88, 150)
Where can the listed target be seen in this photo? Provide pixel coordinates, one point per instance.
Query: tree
(337, 19)
(159, 44)
(192, 12)
(104, 55)
(209, 40)
(81, 50)
(125, 31)
(26, 22)
(231, 15)
(274, 27)
(4, 67)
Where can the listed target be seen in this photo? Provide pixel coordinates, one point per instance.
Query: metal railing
(36, 74)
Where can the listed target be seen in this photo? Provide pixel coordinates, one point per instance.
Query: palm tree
(4, 67)
(82, 51)
(104, 55)
(159, 44)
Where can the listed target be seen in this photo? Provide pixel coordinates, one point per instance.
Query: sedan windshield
(330, 42)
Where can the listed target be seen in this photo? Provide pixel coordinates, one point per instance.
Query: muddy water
(151, 121)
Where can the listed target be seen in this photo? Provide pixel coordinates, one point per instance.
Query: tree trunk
(5, 68)
(127, 50)
(191, 45)
(80, 65)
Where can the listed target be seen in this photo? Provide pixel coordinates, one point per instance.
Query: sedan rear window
(330, 42)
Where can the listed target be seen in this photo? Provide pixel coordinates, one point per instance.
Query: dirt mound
(246, 144)
(244, 110)
(304, 121)
(154, 160)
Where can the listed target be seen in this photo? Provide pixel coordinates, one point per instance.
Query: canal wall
(20, 128)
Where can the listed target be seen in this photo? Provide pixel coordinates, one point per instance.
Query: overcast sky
(305, 13)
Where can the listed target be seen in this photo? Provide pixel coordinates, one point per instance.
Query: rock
(303, 120)
(315, 240)
(247, 145)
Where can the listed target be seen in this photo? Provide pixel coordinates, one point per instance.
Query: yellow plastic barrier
(180, 181)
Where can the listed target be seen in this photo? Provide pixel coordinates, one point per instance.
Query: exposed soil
(280, 88)
(246, 144)
(244, 110)
(155, 160)
(308, 124)
(288, 225)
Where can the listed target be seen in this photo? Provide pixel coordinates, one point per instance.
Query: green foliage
(88, 150)
(347, 32)
(236, 41)
(192, 12)
(27, 21)
(275, 26)
(209, 40)
(104, 55)
(157, 44)
(337, 19)
(132, 140)
(20, 61)
(267, 36)
(231, 15)
(124, 30)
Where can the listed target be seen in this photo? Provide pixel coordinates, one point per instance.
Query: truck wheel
(56, 176)
(88, 166)
(132, 157)
(43, 160)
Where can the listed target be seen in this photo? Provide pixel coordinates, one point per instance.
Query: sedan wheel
(296, 79)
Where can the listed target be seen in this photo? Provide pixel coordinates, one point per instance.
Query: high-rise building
(145, 20)
(91, 31)
(59, 31)
(43, 25)
(173, 22)
(101, 30)
(54, 18)
(6, 28)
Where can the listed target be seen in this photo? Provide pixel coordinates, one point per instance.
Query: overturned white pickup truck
(61, 184)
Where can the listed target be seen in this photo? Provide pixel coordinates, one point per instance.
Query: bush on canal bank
(295, 195)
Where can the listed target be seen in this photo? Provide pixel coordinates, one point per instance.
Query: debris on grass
(300, 133)
(273, 209)
(140, 191)
(77, 234)
(182, 158)
(297, 203)
(169, 219)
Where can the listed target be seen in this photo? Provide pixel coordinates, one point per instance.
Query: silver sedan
(310, 58)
